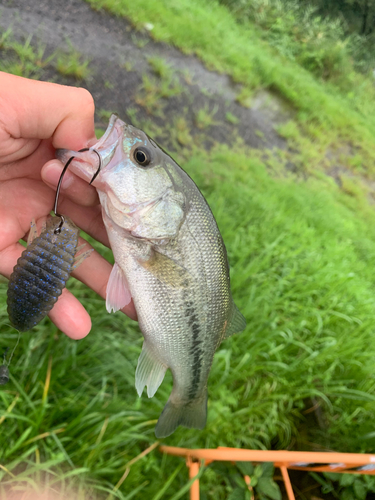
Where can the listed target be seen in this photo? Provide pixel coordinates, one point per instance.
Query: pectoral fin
(166, 270)
(118, 293)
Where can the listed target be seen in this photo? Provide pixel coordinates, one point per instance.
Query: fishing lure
(43, 269)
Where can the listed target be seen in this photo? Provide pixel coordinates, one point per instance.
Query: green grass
(302, 255)
(302, 269)
(160, 67)
(205, 118)
(323, 111)
(28, 59)
(156, 89)
(71, 63)
(22, 59)
(231, 118)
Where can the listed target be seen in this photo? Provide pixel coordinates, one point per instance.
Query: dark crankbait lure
(43, 269)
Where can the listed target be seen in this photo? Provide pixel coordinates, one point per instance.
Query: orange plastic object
(350, 463)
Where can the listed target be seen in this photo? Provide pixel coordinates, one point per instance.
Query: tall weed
(319, 44)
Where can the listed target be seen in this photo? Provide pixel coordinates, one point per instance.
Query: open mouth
(88, 164)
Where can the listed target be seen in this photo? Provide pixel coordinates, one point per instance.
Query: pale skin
(35, 119)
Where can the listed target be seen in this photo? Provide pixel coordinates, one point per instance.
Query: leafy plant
(244, 481)
(345, 486)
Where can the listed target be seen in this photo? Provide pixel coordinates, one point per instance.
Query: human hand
(35, 119)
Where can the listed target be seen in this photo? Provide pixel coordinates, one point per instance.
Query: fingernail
(51, 174)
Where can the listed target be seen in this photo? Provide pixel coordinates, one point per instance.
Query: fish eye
(142, 156)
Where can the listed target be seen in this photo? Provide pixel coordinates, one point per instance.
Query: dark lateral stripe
(195, 349)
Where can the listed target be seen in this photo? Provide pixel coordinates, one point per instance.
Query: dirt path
(119, 58)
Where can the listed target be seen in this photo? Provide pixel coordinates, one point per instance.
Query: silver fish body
(169, 253)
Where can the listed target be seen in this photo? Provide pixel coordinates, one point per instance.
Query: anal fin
(118, 294)
(150, 371)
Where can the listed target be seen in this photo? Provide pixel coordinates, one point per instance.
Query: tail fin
(191, 414)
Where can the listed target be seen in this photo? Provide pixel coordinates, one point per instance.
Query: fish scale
(171, 259)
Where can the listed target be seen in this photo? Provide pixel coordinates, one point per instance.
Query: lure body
(41, 273)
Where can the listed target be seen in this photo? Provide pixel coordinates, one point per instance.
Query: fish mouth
(106, 147)
(85, 163)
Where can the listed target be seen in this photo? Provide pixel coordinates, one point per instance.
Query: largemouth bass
(171, 259)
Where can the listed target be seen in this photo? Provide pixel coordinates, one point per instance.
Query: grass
(323, 112)
(161, 68)
(71, 63)
(156, 89)
(302, 269)
(231, 118)
(22, 59)
(29, 60)
(244, 97)
(205, 118)
(302, 255)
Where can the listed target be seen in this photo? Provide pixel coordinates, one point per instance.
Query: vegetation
(315, 34)
(359, 14)
(304, 281)
(242, 480)
(25, 59)
(71, 63)
(22, 59)
(155, 90)
(345, 486)
(325, 112)
(204, 118)
(302, 254)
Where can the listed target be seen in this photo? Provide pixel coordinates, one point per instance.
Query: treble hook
(58, 229)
